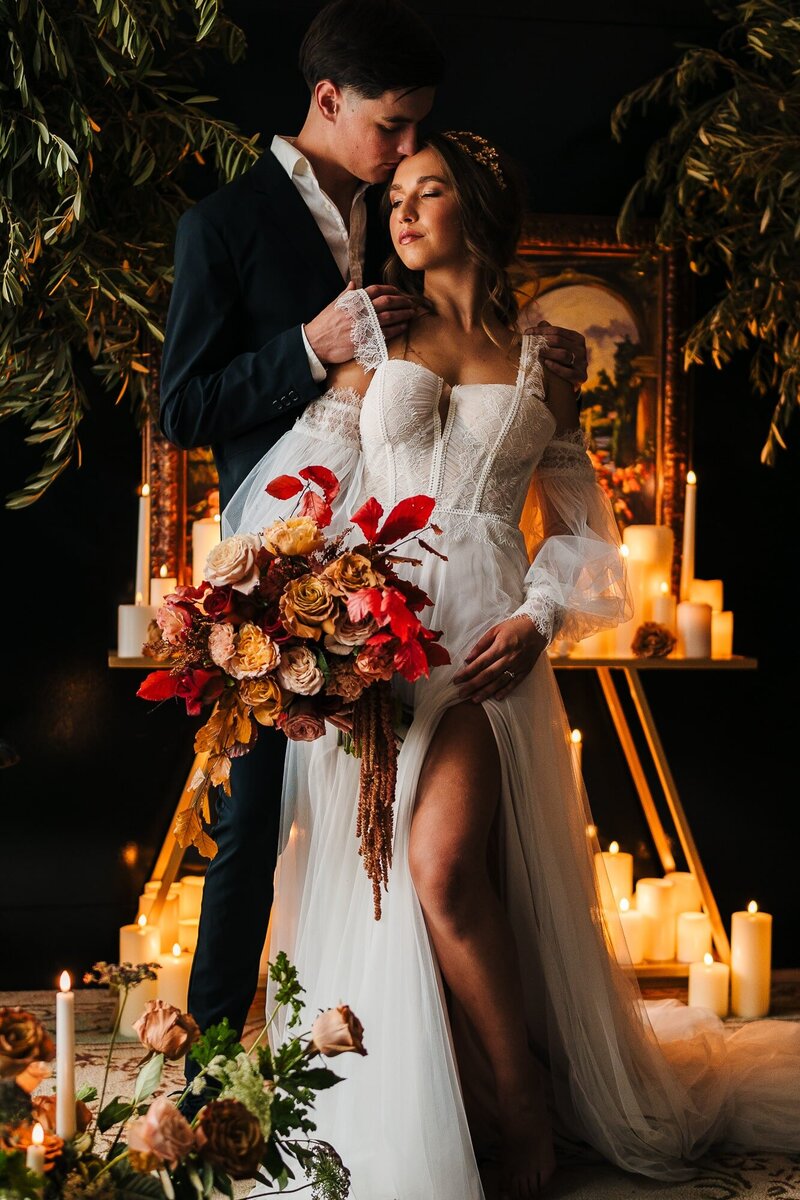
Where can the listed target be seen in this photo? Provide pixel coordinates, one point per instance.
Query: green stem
(111, 1164)
(123, 996)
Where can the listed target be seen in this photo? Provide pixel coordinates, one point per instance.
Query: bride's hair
(489, 188)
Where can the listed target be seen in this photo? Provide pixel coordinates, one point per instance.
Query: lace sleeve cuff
(334, 417)
(546, 615)
(369, 344)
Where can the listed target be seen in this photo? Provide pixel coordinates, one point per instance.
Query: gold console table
(631, 669)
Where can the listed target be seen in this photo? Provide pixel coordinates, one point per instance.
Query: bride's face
(425, 221)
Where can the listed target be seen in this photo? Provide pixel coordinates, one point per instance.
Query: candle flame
(37, 1135)
(624, 550)
(708, 959)
(613, 848)
(64, 981)
(752, 907)
(691, 478)
(664, 587)
(142, 921)
(176, 949)
(217, 518)
(624, 904)
(145, 489)
(162, 570)
(139, 598)
(591, 831)
(576, 737)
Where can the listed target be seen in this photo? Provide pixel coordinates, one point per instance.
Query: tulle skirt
(649, 1086)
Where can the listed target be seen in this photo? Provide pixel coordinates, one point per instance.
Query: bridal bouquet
(291, 629)
(258, 1125)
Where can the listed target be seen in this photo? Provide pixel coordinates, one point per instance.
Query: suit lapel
(287, 208)
(378, 245)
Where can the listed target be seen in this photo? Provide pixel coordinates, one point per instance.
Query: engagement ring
(510, 674)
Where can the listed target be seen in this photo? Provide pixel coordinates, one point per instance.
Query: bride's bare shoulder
(349, 375)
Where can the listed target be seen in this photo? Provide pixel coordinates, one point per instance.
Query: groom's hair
(372, 47)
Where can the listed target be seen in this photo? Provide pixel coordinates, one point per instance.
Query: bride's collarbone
(460, 360)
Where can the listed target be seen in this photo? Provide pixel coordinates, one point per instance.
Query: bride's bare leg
(456, 804)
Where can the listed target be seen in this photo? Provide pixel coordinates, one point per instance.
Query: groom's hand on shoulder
(330, 334)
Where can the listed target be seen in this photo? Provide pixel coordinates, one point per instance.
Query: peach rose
(255, 654)
(23, 1040)
(32, 1076)
(297, 535)
(350, 573)
(173, 622)
(163, 1132)
(303, 723)
(299, 672)
(264, 696)
(222, 644)
(44, 1111)
(166, 1030)
(337, 1031)
(229, 1137)
(233, 561)
(304, 605)
(346, 633)
(345, 681)
(375, 662)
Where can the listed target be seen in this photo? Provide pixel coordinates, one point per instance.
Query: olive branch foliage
(101, 121)
(726, 177)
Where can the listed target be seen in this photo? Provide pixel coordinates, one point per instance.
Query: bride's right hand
(330, 334)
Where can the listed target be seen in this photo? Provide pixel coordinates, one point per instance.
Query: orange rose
(304, 605)
(23, 1040)
(345, 681)
(255, 653)
(337, 1031)
(264, 697)
(297, 535)
(350, 573)
(43, 1110)
(375, 662)
(166, 1030)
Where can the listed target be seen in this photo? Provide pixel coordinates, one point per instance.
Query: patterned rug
(725, 1177)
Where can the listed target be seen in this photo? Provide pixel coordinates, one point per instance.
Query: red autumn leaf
(416, 599)
(159, 685)
(324, 479)
(364, 603)
(431, 550)
(436, 654)
(318, 509)
(410, 660)
(367, 518)
(406, 517)
(284, 487)
(397, 615)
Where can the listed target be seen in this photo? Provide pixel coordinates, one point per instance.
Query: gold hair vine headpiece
(478, 148)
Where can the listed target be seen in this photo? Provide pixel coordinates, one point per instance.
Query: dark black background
(100, 769)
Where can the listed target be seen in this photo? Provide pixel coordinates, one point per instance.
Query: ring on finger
(510, 674)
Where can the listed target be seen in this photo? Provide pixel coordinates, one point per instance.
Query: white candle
(133, 621)
(638, 575)
(139, 943)
(709, 984)
(652, 545)
(65, 1059)
(576, 741)
(636, 929)
(614, 875)
(654, 899)
(173, 978)
(707, 591)
(694, 630)
(689, 519)
(686, 893)
(187, 933)
(161, 585)
(751, 962)
(168, 921)
(205, 535)
(191, 897)
(693, 932)
(721, 634)
(142, 584)
(137, 1000)
(665, 607)
(34, 1155)
(596, 645)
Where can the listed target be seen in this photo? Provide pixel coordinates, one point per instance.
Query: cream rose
(222, 644)
(299, 673)
(233, 561)
(297, 535)
(305, 604)
(255, 654)
(350, 573)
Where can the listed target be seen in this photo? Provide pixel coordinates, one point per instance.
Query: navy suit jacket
(251, 266)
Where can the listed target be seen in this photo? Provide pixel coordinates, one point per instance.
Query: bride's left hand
(498, 660)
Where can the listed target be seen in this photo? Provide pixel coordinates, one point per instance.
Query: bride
(499, 1028)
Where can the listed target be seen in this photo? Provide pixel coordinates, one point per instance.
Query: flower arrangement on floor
(257, 1126)
(291, 629)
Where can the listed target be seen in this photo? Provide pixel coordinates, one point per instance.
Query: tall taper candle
(687, 552)
(65, 1059)
(142, 585)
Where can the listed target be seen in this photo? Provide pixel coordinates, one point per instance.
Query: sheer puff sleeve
(576, 584)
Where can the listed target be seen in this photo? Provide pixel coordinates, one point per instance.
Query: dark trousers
(237, 895)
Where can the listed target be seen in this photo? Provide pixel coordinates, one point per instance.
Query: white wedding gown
(651, 1086)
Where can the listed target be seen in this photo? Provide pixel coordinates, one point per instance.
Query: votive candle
(722, 634)
(34, 1155)
(173, 978)
(694, 630)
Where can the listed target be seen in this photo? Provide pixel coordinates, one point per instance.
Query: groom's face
(373, 136)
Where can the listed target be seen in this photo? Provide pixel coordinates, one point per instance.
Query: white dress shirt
(347, 247)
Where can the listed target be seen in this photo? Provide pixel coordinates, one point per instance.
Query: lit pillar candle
(638, 575)
(187, 934)
(173, 978)
(654, 899)
(191, 897)
(614, 874)
(709, 984)
(686, 893)
(142, 584)
(693, 934)
(636, 928)
(707, 591)
(721, 634)
(665, 607)
(139, 942)
(168, 921)
(687, 551)
(137, 1000)
(34, 1155)
(751, 962)
(576, 741)
(133, 621)
(161, 585)
(65, 1059)
(653, 546)
(205, 536)
(694, 630)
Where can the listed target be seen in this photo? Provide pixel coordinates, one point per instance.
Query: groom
(251, 330)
